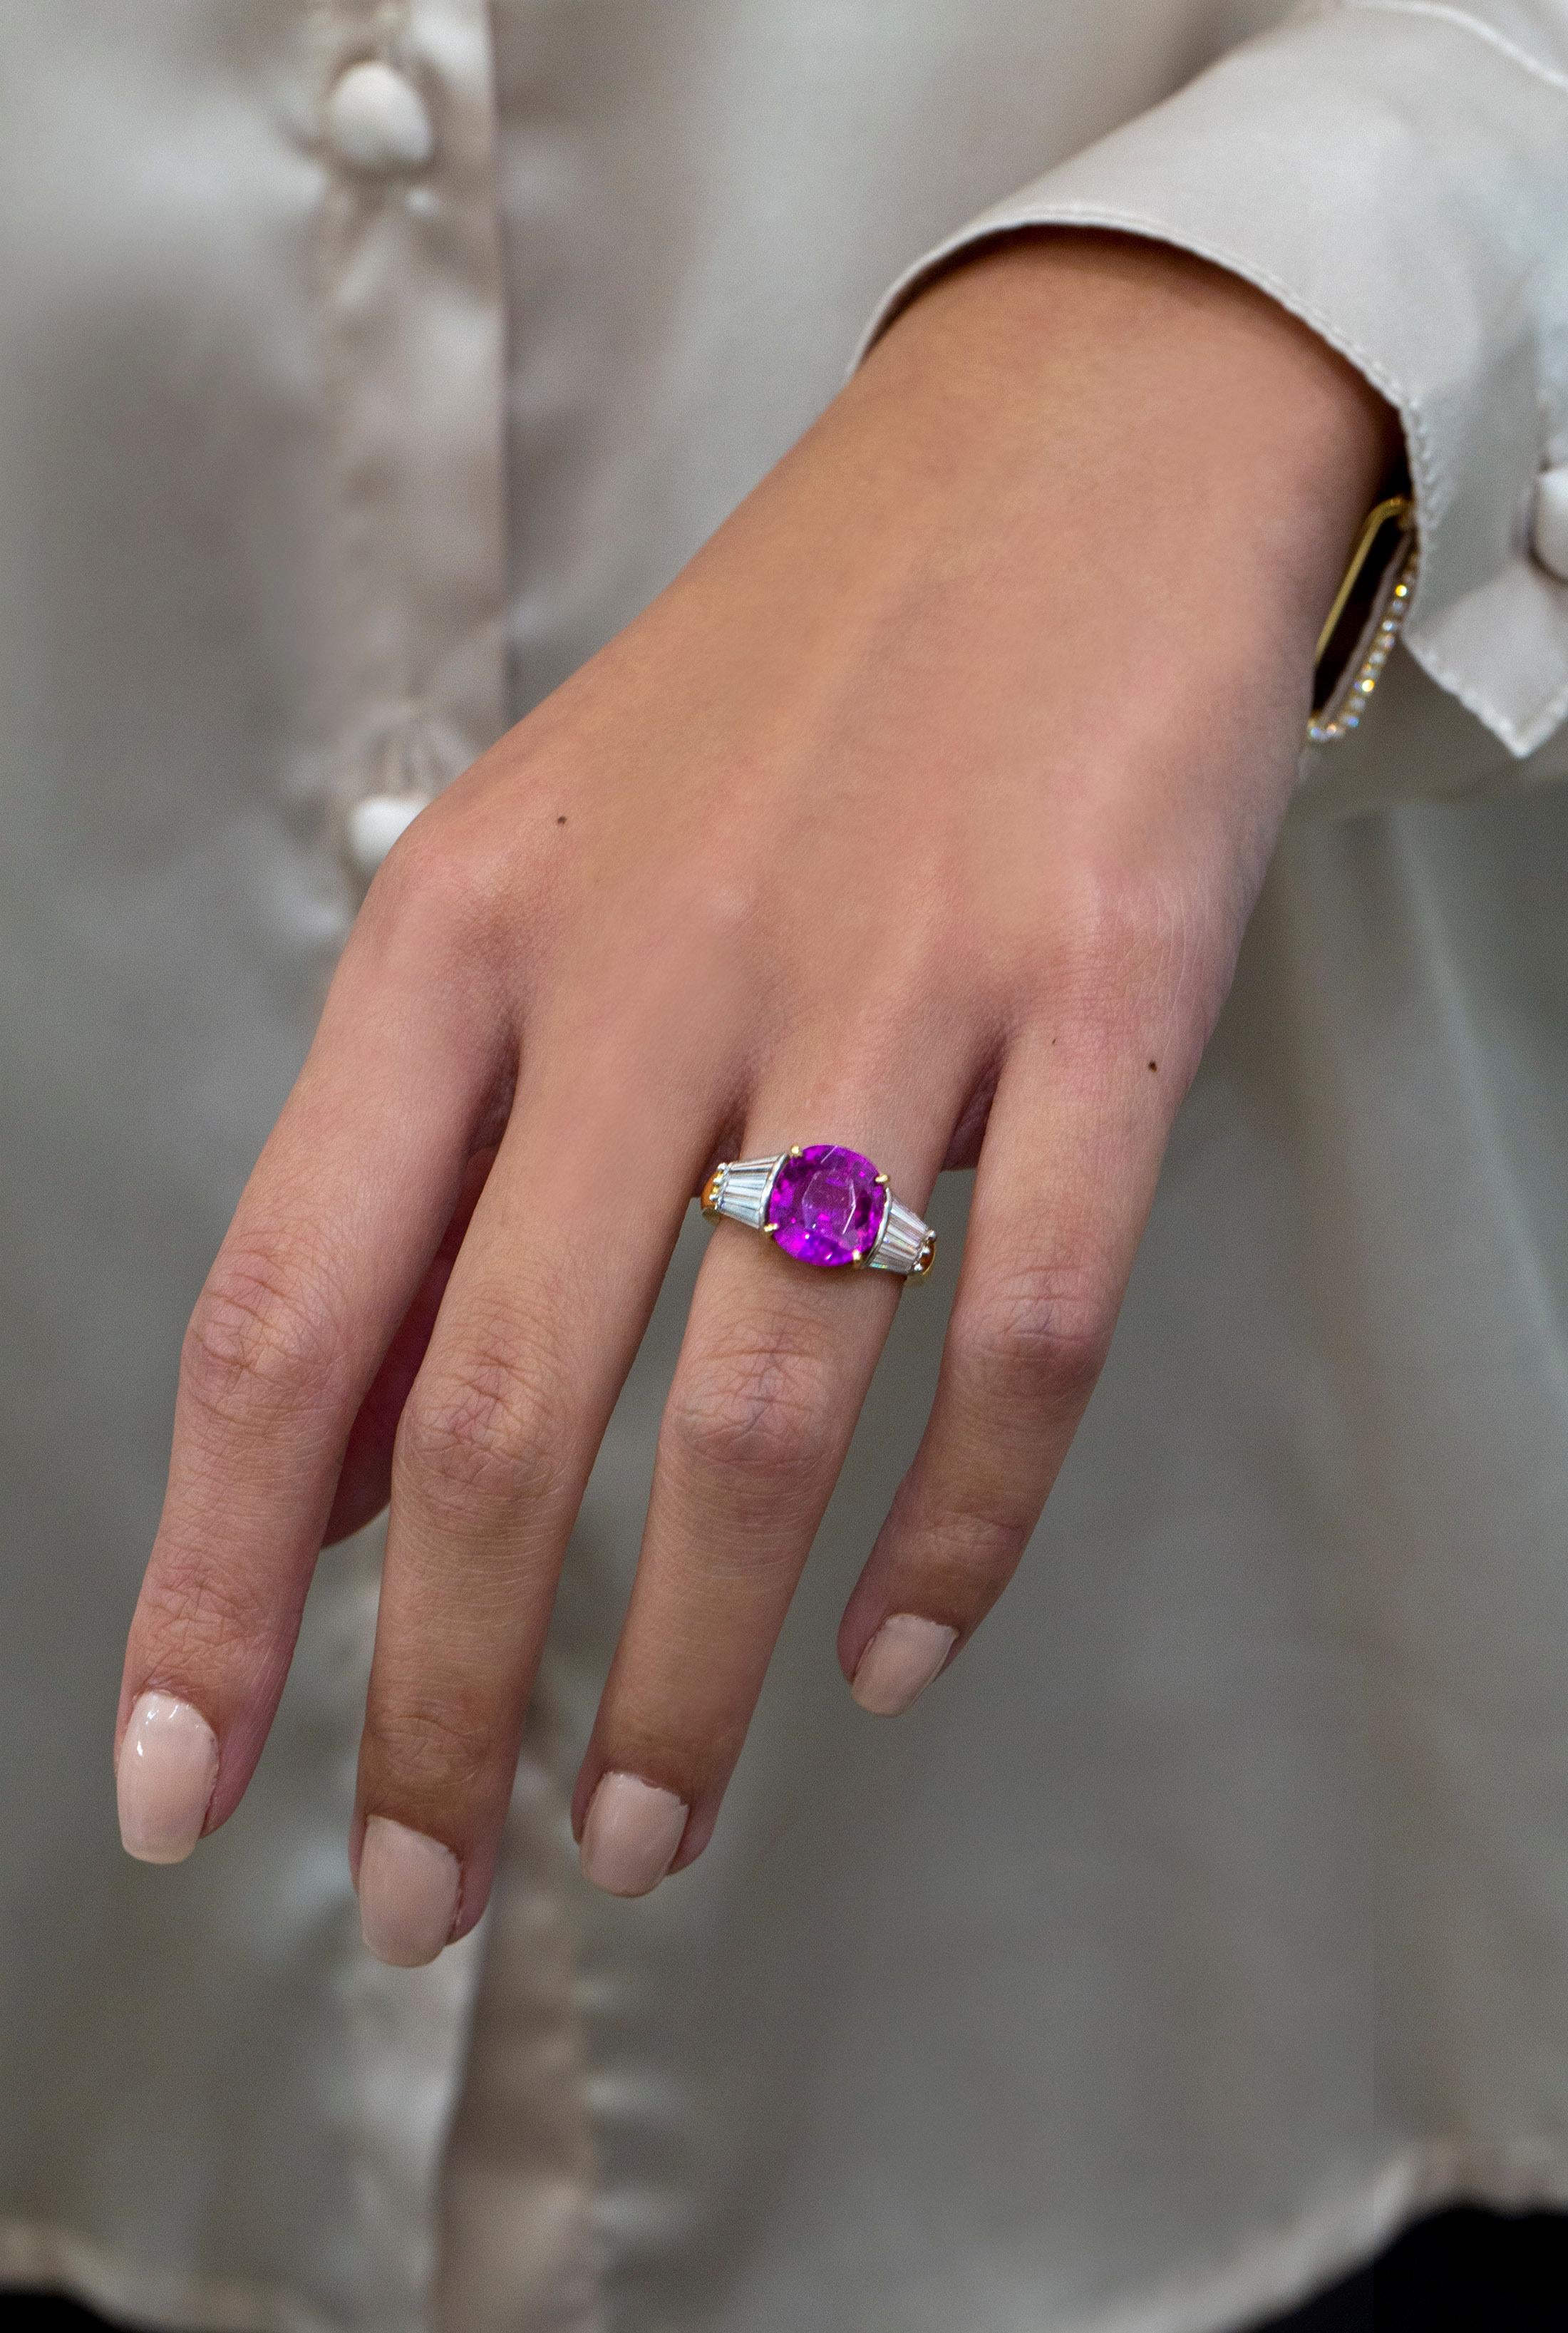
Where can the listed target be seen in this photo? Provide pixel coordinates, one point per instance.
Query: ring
(826, 1205)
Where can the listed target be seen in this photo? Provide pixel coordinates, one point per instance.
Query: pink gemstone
(827, 1204)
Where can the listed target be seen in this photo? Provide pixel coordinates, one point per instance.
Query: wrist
(1168, 393)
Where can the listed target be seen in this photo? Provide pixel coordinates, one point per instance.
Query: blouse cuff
(1395, 173)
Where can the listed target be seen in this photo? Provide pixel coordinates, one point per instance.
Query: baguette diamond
(741, 1190)
(904, 1242)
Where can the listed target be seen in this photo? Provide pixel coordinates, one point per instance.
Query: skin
(1033, 605)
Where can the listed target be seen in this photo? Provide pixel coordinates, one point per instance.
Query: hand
(925, 807)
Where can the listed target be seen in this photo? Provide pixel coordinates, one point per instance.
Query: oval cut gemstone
(826, 1205)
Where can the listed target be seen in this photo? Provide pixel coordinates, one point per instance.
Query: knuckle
(1111, 910)
(1040, 1335)
(485, 1424)
(435, 1743)
(432, 891)
(968, 1553)
(759, 1410)
(449, 882)
(263, 1340)
(200, 1613)
(1119, 944)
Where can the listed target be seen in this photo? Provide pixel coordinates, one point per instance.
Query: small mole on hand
(561, 822)
(1154, 1065)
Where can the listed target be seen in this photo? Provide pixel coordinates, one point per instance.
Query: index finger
(327, 1249)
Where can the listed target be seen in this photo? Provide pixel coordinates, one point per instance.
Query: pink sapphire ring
(825, 1204)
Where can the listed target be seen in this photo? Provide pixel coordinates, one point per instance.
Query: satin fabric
(1211, 1914)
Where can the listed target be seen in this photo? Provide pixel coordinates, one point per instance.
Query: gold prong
(769, 1231)
(794, 1150)
(882, 1180)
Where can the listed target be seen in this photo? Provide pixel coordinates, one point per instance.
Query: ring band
(826, 1205)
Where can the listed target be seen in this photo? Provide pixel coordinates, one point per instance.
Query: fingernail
(168, 1762)
(900, 1662)
(631, 1834)
(409, 1887)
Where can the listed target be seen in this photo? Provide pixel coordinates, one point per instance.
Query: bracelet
(1364, 621)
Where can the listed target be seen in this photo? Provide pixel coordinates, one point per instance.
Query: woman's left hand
(927, 806)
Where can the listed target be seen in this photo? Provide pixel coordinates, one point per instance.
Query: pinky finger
(1063, 1190)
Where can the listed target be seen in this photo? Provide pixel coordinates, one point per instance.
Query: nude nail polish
(631, 1834)
(168, 1763)
(900, 1662)
(409, 1889)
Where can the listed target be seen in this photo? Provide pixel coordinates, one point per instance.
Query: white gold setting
(741, 1189)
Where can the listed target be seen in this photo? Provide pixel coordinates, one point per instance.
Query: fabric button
(377, 121)
(1549, 526)
(374, 826)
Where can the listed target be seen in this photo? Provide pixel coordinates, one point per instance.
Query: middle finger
(549, 1297)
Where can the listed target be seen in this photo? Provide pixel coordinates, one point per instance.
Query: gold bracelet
(1363, 623)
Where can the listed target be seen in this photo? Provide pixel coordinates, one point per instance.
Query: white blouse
(363, 365)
